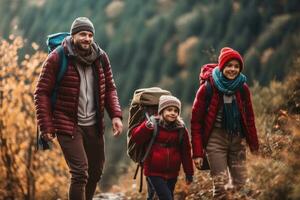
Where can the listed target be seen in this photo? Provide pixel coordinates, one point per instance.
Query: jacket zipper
(168, 160)
(86, 91)
(77, 100)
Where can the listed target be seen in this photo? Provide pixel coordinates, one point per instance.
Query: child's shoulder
(181, 122)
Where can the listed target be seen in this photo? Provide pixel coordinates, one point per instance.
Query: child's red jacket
(165, 160)
(202, 123)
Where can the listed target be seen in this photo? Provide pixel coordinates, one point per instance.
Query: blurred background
(150, 43)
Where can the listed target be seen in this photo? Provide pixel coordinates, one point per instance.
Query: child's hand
(149, 124)
(188, 179)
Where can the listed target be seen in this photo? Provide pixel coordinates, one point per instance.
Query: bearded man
(77, 118)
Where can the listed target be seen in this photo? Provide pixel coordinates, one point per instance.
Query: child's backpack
(145, 101)
(206, 72)
(54, 43)
(143, 104)
(205, 78)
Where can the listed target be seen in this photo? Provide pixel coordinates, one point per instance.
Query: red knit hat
(227, 54)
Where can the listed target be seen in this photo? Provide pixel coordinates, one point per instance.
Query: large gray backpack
(144, 103)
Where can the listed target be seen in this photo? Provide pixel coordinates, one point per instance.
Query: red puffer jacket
(202, 123)
(63, 119)
(165, 161)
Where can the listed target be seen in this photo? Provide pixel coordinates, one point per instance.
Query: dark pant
(162, 187)
(84, 154)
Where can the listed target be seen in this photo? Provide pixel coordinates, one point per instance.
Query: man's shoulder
(103, 53)
(52, 57)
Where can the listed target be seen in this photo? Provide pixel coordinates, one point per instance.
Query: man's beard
(82, 50)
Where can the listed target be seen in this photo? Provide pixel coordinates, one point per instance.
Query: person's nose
(87, 38)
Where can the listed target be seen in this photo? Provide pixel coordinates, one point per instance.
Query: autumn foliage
(24, 172)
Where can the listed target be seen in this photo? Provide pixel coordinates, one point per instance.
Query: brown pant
(226, 153)
(84, 154)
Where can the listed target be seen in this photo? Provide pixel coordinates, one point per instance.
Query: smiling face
(232, 69)
(83, 40)
(170, 113)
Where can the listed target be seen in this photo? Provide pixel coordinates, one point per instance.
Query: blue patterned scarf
(232, 118)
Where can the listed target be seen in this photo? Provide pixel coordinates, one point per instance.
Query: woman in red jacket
(170, 149)
(221, 125)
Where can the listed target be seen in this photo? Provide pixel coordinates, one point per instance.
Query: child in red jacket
(170, 149)
(222, 125)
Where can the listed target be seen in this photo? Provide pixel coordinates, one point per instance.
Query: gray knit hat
(168, 100)
(82, 24)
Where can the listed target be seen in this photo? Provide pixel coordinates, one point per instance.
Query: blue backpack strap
(63, 65)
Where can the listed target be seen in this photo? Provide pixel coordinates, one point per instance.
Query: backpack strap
(181, 133)
(63, 65)
(243, 94)
(154, 135)
(63, 61)
(209, 93)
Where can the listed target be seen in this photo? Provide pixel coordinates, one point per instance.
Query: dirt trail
(110, 196)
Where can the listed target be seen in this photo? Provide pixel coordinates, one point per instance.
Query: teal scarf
(231, 118)
(226, 86)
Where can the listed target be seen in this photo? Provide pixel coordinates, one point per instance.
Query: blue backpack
(54, 43)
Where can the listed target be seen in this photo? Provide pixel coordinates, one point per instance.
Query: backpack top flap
(148, 96)
(54, 40)
(144, 100)
(206, 71)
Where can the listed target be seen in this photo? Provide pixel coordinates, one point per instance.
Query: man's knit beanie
(168, 100)
(82, 24)
(227, 54)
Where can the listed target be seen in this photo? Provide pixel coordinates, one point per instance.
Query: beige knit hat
(168, 100)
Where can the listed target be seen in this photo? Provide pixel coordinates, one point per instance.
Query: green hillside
(164, 42)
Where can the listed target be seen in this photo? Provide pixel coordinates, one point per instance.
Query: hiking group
(76, 85)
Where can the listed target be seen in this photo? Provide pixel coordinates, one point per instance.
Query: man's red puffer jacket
(63, 118)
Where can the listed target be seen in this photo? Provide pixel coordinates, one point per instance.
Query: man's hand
(198, 162)
(117, 126)
(188, 179)
(254, 151)
(49, 137)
